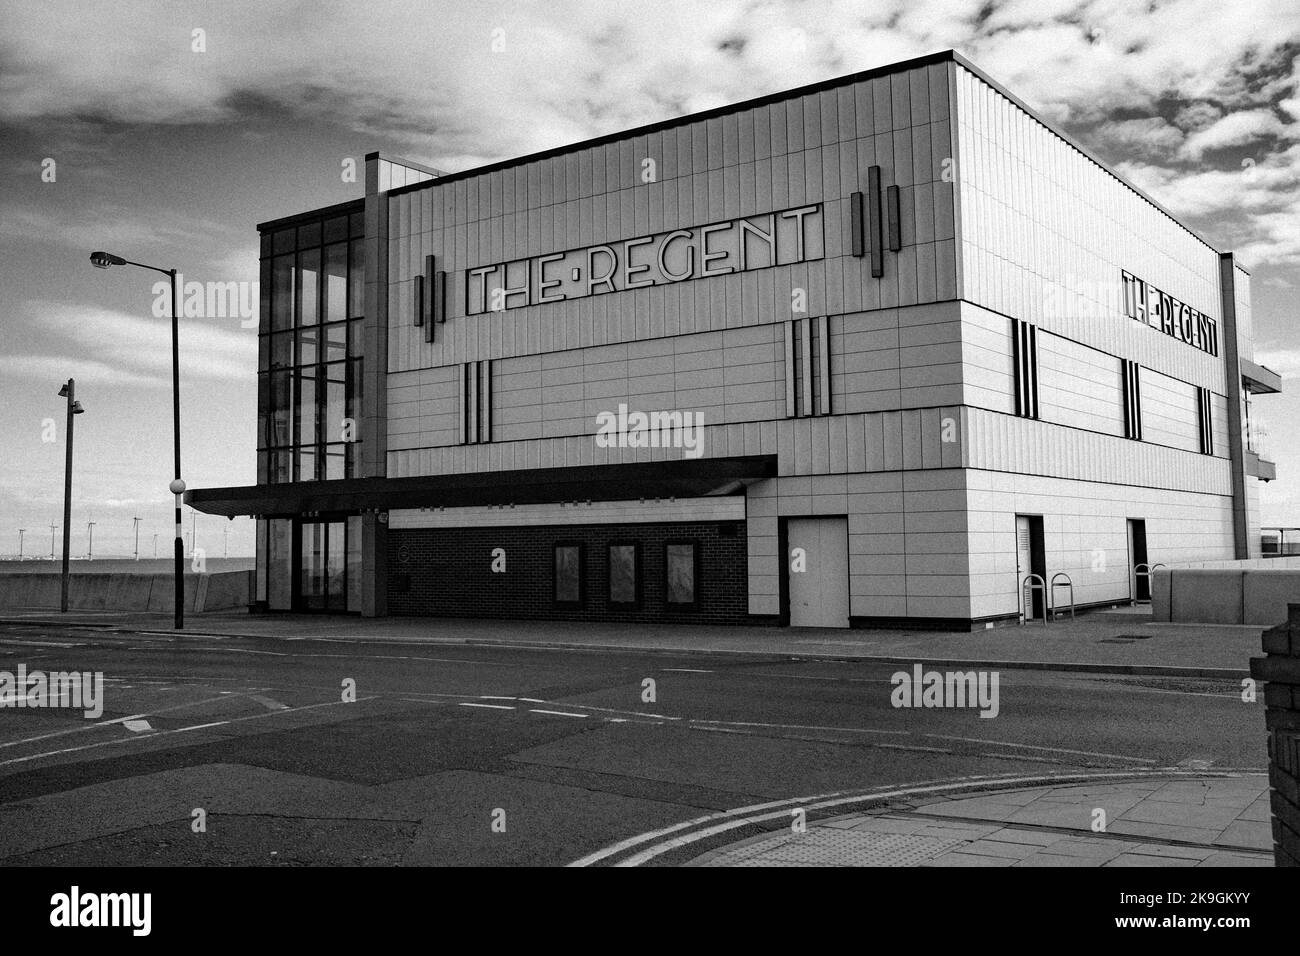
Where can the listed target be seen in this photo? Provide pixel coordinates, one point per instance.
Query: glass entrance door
(322, 566)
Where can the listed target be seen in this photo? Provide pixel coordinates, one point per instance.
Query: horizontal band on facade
(687, 478)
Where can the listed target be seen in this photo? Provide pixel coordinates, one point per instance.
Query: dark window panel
(282, 241)
(308, 287)
(354, 394)
(335, 343)
(356, 278)
(336, 228)
(280, 412)
(336, 282)
(679, 572)
(568, 573)
(282, 292)
(264, 296)
(309, 235)
(358, 224)
(335, 402)
(265, 244)
(356, 338)
(308, 340)
(624, 574)
(305, 406)
(335, 462)
(306, 464)
(278, 466)
(281, 350)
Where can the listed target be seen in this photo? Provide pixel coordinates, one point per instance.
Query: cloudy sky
(170, 155)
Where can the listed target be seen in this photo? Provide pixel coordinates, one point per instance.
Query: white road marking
(163, 733)
(749, 723)
(556, 713)
(685, 670)
(42, 643)
(719, 730)
(215, 723)
(136, 726)
(267, 702)
(1058, 750)
(466, 703)
(105, 723)
(1020, 757)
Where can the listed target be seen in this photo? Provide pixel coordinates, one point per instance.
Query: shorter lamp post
(68, 391)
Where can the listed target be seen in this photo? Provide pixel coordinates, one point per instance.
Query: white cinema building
(866, 352)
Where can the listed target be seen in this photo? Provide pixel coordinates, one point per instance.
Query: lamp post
(155, 544)
(21, 532)
(102, 260)
(68, 391)
(53, 528)
(135, 523)
(90, 548)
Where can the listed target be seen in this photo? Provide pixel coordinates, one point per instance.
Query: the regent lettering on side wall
(737, 245)
(1148, 305)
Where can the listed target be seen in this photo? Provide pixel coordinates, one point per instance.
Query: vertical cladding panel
(1085, 534)
(1079, 386)
(1061, 230)
(1169, 411)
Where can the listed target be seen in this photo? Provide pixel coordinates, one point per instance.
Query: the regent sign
(738, 245)
(1147, 304)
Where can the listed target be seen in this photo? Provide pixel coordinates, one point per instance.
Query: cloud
(114, 347)
(1235, 129)
(116, 226)
(1150, 137)
(1252, 209)
(1284, 361)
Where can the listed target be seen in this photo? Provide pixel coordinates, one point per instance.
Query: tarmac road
(488, 755)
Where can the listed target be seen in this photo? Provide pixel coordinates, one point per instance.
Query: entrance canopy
(686, 478)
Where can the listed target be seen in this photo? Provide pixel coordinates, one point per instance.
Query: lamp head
(77, 409)
(102, 260)
(63, 390)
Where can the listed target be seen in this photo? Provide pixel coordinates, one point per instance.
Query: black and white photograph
(569, 434)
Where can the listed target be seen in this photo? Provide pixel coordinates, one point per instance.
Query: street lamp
(68, 391)
(21, 532)
(90, 548)
(102, 260)
(53, 528)
(135, 522)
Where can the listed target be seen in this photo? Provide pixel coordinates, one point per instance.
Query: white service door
(1024, 565)
(818, 564)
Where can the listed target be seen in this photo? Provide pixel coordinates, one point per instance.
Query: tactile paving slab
(827, 846)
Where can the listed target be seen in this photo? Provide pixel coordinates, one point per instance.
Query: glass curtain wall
(312, 388)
